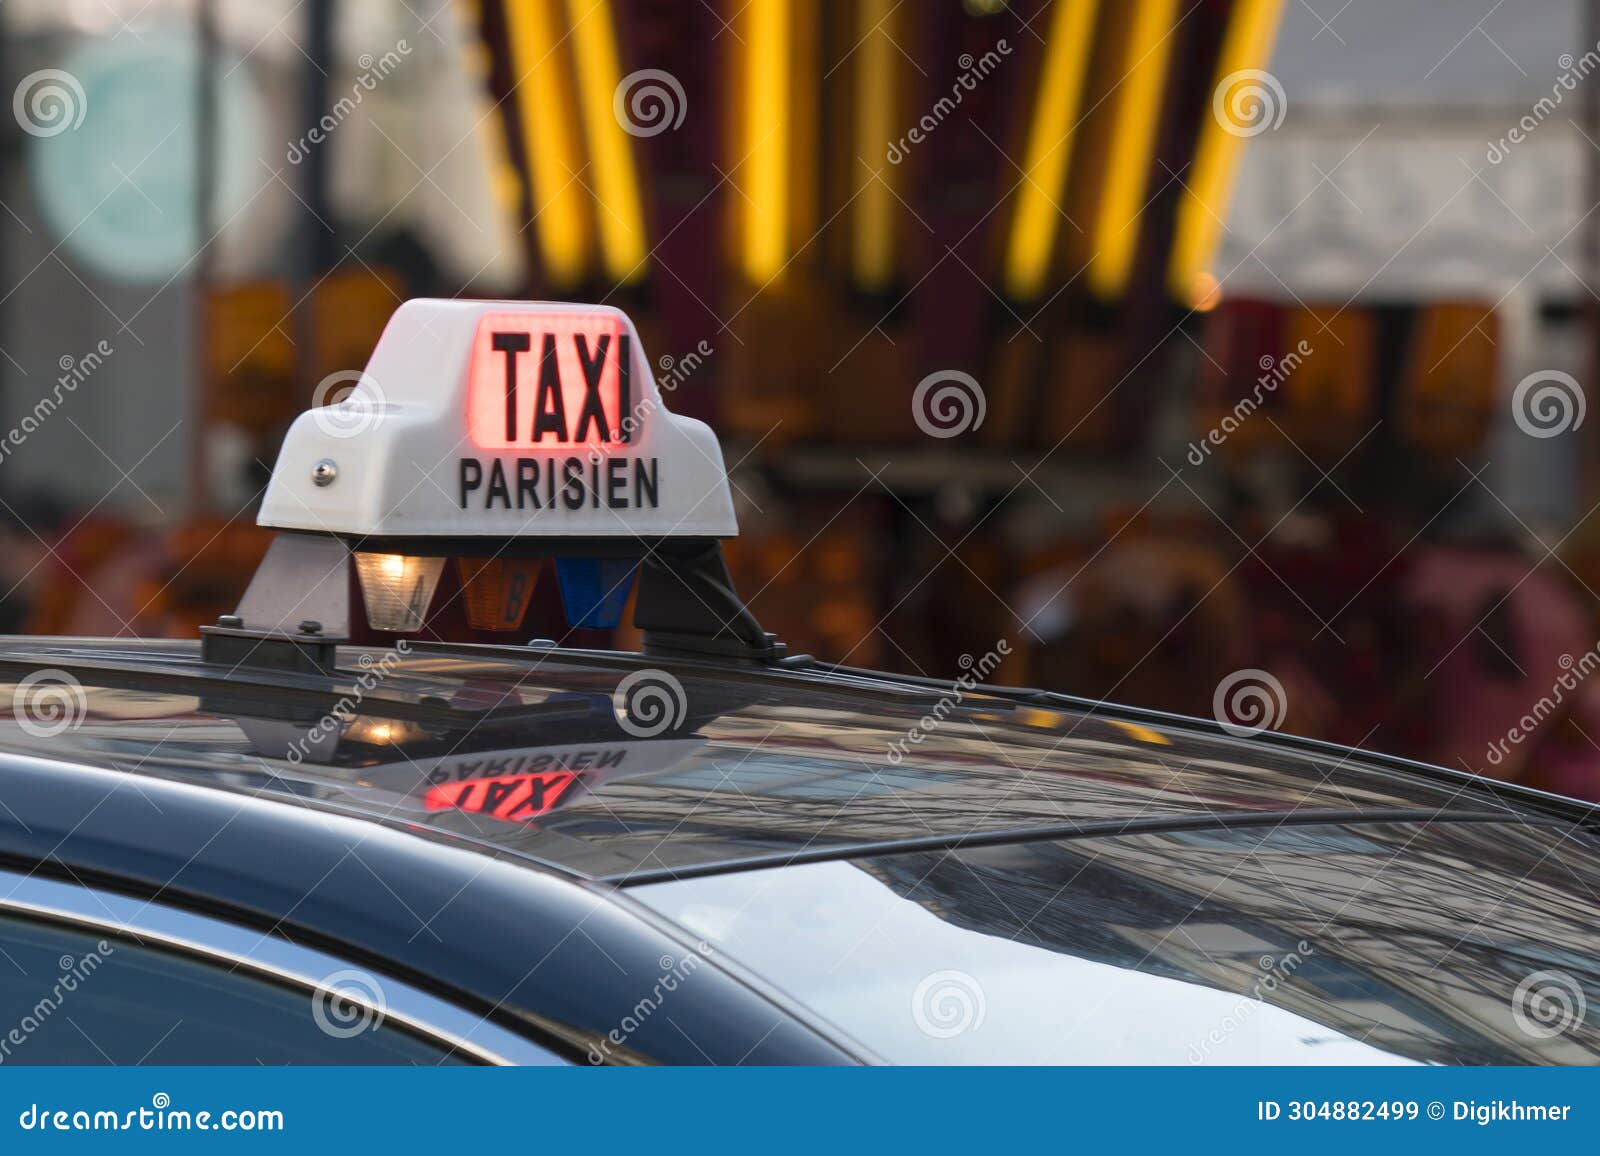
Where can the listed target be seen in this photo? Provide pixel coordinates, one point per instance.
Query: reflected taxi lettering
(527, 762)
(514, 798)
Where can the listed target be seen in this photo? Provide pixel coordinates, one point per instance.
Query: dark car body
(772, 879)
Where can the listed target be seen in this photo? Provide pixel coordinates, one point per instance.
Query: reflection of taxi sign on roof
(514, 798)
(494, 437)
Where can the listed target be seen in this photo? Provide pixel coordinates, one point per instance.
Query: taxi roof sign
(502, 419)
(480, 435)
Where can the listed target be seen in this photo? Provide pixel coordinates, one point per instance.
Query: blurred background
(1166, 341)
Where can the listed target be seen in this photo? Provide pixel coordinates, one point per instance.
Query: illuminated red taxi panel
(549, 381)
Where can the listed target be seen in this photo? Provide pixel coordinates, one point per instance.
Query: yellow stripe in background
(1135, 116)
(619, 217)
(805, 138)
(764, 247)
(559, 200)
(872, 210)
(1247, 44)
(1037, 221)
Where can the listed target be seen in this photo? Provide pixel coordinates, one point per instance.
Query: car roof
(521, 753)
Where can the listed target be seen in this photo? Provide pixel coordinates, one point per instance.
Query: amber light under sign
(550, 381)
(496, 591)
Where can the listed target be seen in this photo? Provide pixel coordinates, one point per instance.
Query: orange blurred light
(496, 591)
(1206, 293)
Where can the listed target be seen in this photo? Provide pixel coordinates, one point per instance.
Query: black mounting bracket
(686, 604)
(294, 613)
(229, 644)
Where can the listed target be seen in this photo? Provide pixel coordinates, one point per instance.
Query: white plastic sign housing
(502, 419)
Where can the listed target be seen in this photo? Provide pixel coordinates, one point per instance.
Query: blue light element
(594, 590)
